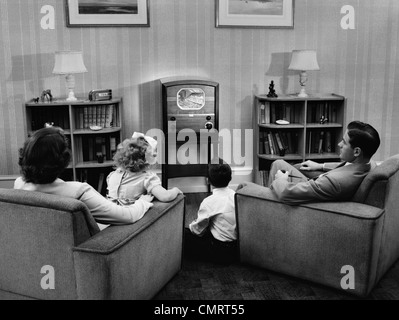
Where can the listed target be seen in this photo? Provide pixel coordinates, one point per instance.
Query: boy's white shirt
(218, 213)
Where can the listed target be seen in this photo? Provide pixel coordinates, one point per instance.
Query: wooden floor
(210, 281)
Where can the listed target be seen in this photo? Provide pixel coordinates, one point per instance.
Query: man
(339, 181)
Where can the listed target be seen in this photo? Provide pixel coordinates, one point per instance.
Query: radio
(100, 94)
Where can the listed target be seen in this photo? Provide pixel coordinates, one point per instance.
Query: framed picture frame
(111, 13)
(255, 13)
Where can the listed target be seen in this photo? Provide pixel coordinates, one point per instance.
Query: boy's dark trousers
(207, 248)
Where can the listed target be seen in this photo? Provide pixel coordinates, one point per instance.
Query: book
(261, 142)
(266, 147)
(103, 115)
(328, 146)
(267, 112)
(262, 114)
(85, 118)
(271, 144)
(109, 116)
(320, 147)
(100, 182)
(281, 148)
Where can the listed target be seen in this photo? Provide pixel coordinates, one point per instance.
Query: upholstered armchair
(314, 241)
(120, 262)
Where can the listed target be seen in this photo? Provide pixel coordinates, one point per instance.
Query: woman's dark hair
(363, 136)
(130, 155)
(219, 175)
(44, 156)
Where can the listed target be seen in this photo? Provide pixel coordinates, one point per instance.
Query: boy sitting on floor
(213, 236)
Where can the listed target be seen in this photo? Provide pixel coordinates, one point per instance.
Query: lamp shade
(69, 62)
(304, 60)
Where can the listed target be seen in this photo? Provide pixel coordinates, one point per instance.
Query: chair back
(37, 234)
(373, 189)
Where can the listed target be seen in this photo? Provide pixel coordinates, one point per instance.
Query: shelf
(281, 126)
(102, 131)
(304, 132)
(84, 142)
(287, 157)
(61, 102)
(322, 156)
(93, 164)
(322, 126)
(294, 97)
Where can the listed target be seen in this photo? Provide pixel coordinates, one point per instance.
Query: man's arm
(322, 189)
(310, 165)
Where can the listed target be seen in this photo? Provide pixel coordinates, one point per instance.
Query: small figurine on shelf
(46, 95)
(323, 120)
(36, 100)
(272, 92)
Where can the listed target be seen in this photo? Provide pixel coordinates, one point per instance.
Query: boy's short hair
(219, 175)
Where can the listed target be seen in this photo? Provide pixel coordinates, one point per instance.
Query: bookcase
(92, 150)
(313, 128)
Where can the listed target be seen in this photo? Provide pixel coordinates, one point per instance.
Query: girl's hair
(130, 155)
(44, 156)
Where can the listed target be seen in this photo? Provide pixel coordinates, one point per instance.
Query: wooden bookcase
(87, 145)
(304, 138)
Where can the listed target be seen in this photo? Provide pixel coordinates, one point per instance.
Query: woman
(45, 155)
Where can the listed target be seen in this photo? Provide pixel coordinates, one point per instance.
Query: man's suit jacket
(338, 184)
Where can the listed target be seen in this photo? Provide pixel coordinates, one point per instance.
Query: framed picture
(102, 13)
(255, 13)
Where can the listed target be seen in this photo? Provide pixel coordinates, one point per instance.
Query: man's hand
(282, 175)
(310, 165)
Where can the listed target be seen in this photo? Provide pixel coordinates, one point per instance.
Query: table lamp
(303, 60)
(69, 63)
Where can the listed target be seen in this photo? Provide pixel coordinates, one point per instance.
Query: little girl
(131, 180)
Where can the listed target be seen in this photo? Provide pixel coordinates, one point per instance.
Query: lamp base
(303, 94)
(71, 98)
(70, 84)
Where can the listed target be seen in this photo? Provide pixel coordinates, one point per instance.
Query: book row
(56, 116)
(264, 177)
(100, 115)
(325, 112)
(271, 112)
(278, 142)
(321, 141)
(96, 147)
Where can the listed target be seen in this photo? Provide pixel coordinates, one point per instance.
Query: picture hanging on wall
(102, 13)
(255, 13)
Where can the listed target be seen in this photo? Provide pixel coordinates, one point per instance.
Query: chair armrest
(311, 241)
(132, 261)
(353, 209)
(255, 190)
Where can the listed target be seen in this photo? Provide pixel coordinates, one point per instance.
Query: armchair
(314, 241)
(120, 262)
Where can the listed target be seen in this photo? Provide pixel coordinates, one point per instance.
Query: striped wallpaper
(182, 40)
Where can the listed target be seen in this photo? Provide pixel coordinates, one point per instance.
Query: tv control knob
(172, 119)
(209, 125)
(209, 118)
